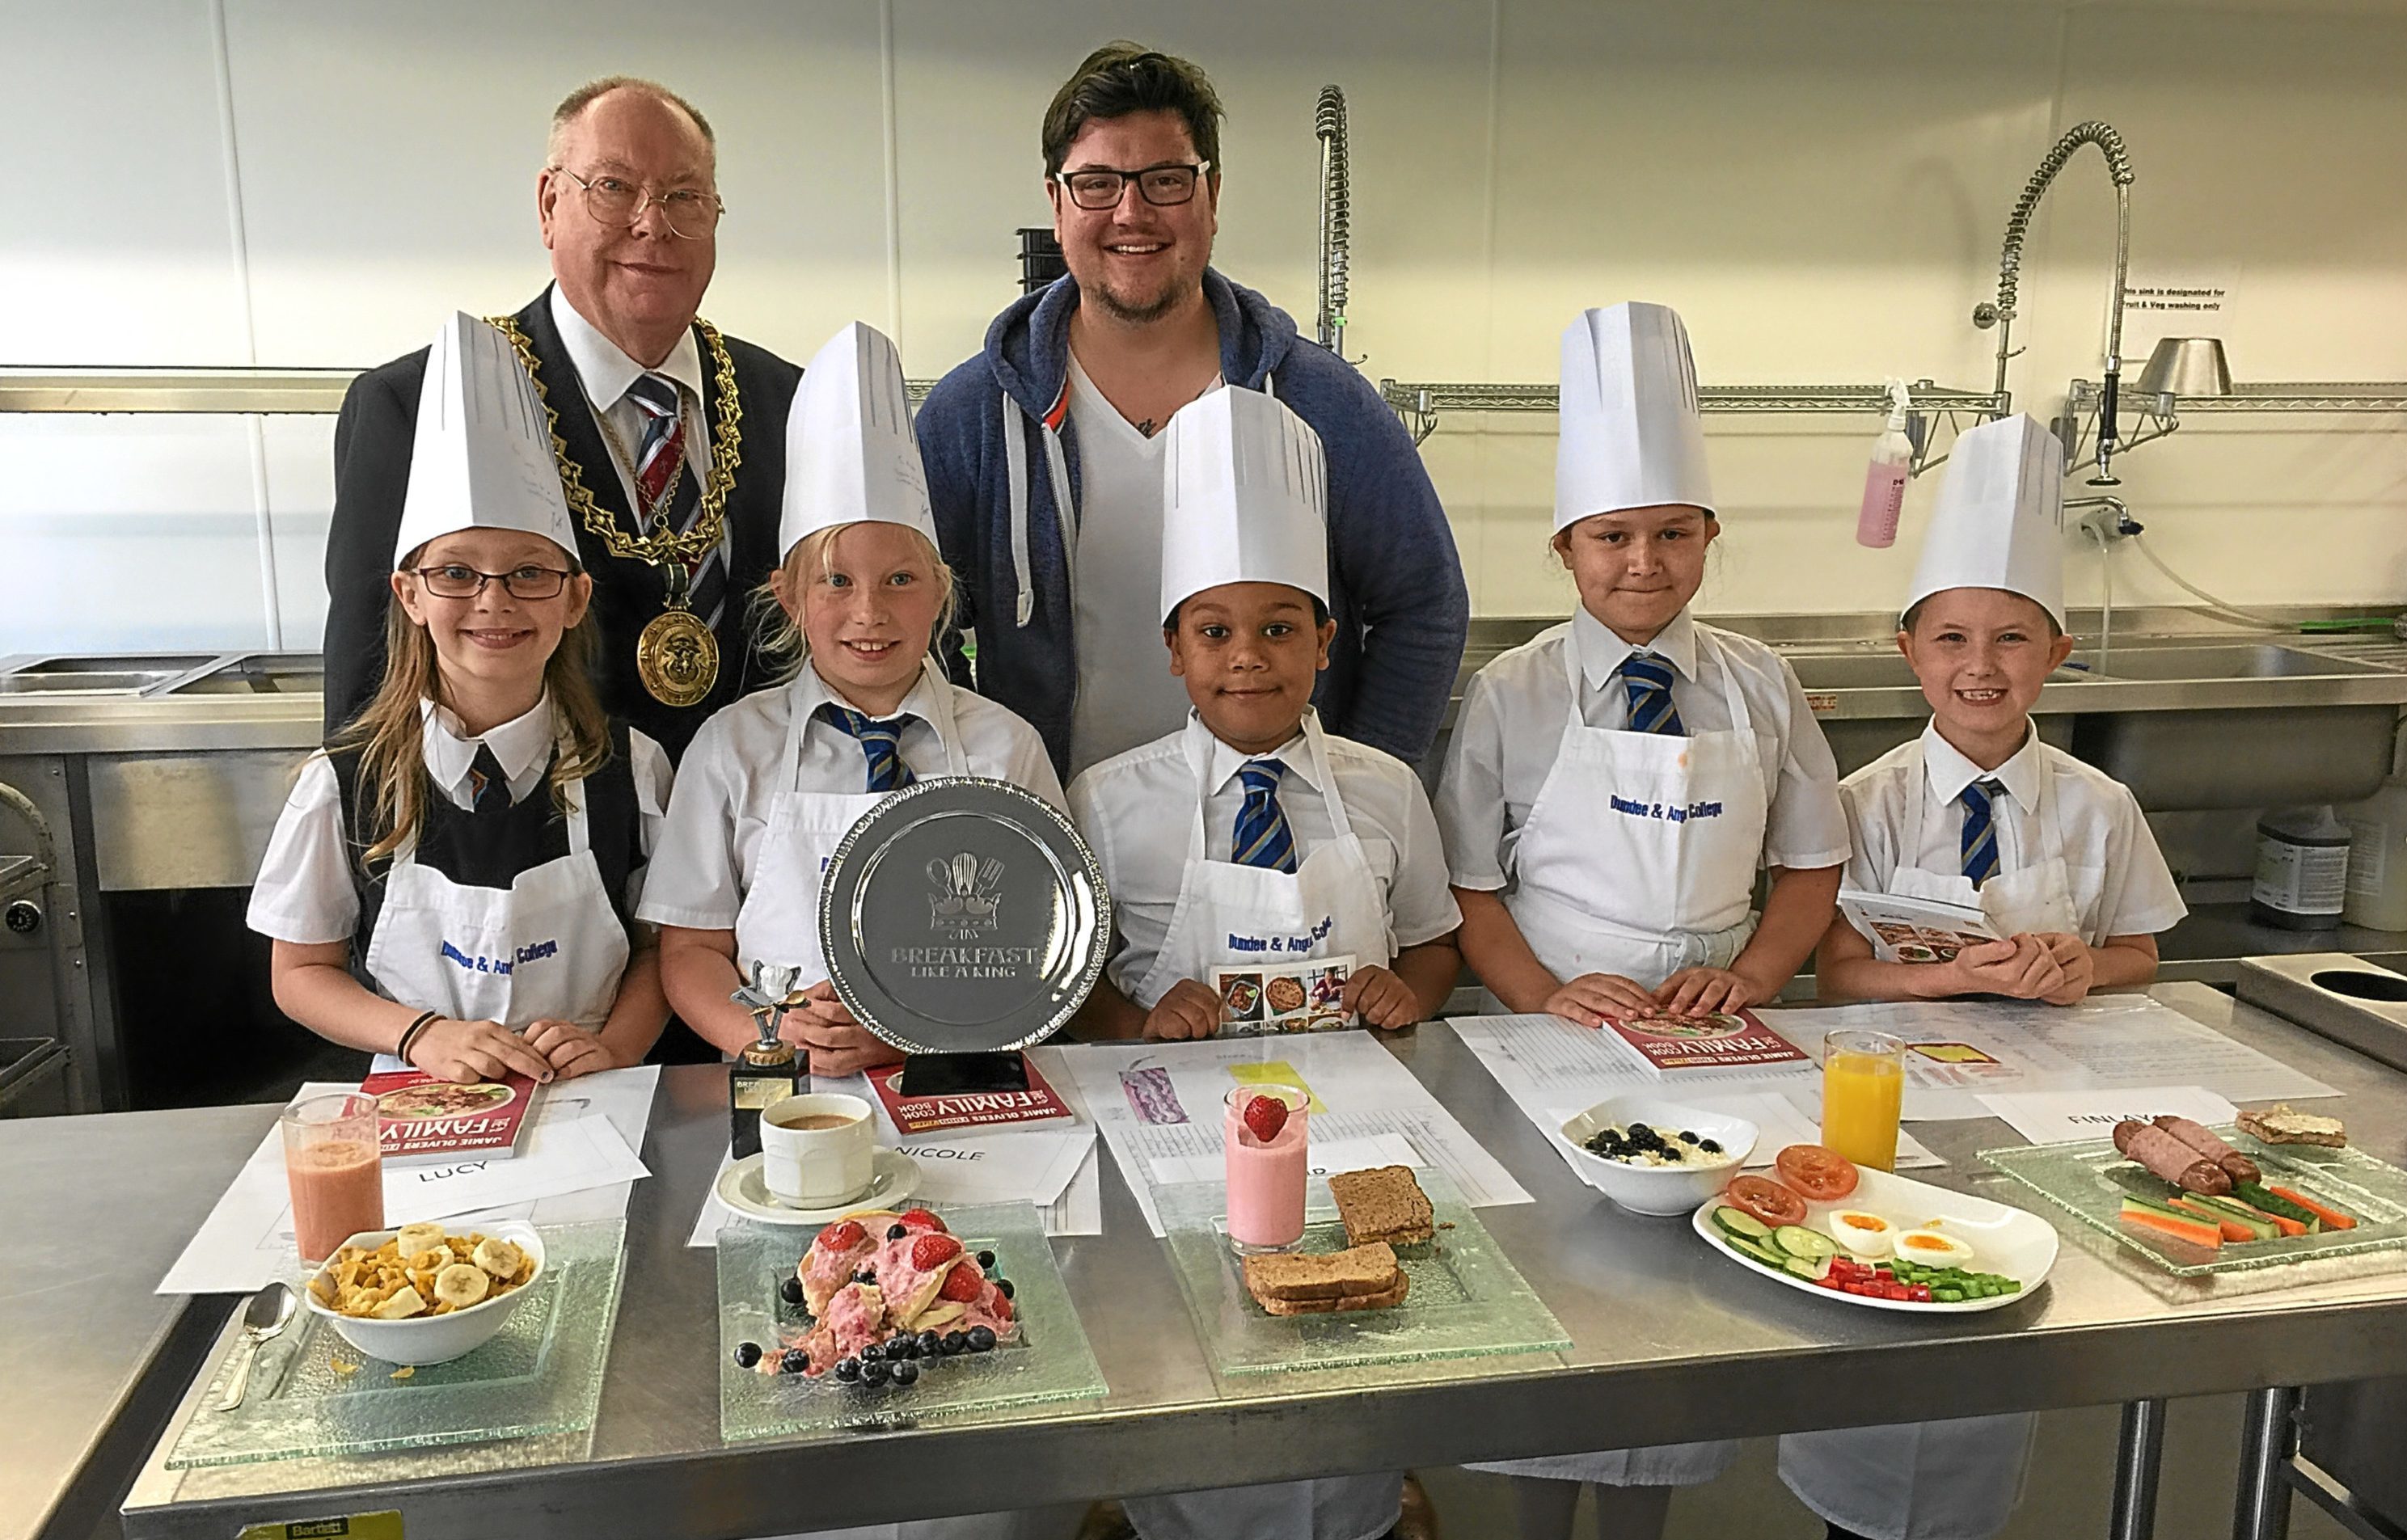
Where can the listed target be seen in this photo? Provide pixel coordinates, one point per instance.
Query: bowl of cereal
(423, 1293)
(1657, 1157)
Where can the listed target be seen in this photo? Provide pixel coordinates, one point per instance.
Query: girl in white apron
(1978, 812)
(449, 883)
(1615, 786)
(1251, 833)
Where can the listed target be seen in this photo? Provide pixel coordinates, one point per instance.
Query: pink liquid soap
(1884, 496)
(1266, 1180)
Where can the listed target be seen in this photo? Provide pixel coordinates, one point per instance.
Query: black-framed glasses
(692, 213)
(1167, 185)
(456, 580)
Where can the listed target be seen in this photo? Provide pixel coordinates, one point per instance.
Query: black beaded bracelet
(409, 1034)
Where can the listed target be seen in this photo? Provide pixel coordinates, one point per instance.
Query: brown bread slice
(2280, 1125)
(1383, 1203)
(1325, 1274)
(1384, 1299)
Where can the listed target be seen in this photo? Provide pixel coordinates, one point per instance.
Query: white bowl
(1658, 1189)
(434, 1339)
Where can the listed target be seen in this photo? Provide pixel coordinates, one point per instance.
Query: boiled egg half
(1932, 1249)
(1866, 1235)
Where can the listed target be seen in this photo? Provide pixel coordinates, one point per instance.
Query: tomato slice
(1823, 1176)
(1766, 1200)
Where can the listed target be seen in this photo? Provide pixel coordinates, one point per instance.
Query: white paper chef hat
(849, 454)
(482, 455)
(1998, 519)
(1629, 435)
(1244, 497)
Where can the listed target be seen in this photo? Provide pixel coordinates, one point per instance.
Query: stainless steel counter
(1670, 1342)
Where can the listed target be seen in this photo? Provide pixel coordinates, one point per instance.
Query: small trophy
(766, 1072)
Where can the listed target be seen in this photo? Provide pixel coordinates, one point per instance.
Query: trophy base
(955, 1074)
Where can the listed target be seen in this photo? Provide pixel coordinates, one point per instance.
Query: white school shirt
(1511, 725)
(1126, 694)
(2120, 884)
(605, 371)
(735, 769)
(1136, 812)
(304, 893)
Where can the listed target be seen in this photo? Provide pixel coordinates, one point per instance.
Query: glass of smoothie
(335, 1171)
(1266, 1175)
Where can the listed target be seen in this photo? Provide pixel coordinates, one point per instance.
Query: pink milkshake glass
(1266, 1180)
(334, 1169)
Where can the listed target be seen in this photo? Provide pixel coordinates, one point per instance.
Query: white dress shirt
(736, 767)
(604, 372)
(1137, 814)
(1511, 725)
(304, 893)
(2120, 884)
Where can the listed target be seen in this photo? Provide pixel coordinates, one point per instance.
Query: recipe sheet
(2059, 1117)
(1159, 1103)
(1546, 1061)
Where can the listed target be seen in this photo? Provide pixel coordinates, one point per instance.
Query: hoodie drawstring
(1015, 457)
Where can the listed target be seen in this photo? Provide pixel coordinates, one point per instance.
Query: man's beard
(1132, 313)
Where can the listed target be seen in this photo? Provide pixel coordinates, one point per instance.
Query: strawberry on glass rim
(1265, 1115)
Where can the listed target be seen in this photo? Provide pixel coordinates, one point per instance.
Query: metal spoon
(268, 1313)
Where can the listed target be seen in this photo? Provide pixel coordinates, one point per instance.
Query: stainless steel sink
(114, 675)
(2247, 660)
(260, 674)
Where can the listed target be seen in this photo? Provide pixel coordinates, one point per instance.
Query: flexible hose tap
(1329, 126)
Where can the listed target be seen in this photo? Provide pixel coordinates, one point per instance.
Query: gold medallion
(677, 657)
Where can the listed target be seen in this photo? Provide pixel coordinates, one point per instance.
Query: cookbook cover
(1714, 1040)
(1257, 1000)
(420, 1118)
(1914, 930)
(1038, 1103)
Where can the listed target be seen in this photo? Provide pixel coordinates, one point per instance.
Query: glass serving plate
(1049, 1361)
(1466, 1298)
(2090, 1177)
(314, 1394)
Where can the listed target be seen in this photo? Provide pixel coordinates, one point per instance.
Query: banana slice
(497, 1257)
(401, 1306)
(461, 1285)
(415, 1240)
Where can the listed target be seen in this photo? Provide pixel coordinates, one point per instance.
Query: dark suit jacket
(372, 447)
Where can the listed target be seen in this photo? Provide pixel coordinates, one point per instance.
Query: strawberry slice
(929, 1253)
(920, 1218)
(842, 1235)
(1265, 1115)
(962, 1284)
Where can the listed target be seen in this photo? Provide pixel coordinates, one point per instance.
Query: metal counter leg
(2137, 1453)
(2268, 1438)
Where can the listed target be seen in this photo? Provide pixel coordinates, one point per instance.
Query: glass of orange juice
(1863, 1086)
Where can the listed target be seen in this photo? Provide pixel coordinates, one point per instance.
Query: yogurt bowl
(1670, 1187)
(429, 1339)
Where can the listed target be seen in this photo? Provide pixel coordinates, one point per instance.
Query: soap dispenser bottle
(1885, 479)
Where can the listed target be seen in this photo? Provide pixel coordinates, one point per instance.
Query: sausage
(2239, 1167)
(2165, 1156)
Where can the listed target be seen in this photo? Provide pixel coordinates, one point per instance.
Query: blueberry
(874, 1373)
(1004, 1285)
(896, 1231)
(791, 1290)
(902, 1349)
(1670, 1153)
(873, 1352)
(986, 1259)
(795, 1361)
(982, 1339)
(1687, 1137)
(848, 1369)
(1640, 1130)
(931, 1344)
(1711, 1146)
(747, 1354)
(905, 1374)
(867, 1275)
(955, 1342)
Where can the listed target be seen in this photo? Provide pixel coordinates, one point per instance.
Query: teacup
(816, 1149)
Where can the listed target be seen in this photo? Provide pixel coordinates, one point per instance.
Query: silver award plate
(964, 916)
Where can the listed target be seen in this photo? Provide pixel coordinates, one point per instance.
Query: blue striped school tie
(1649, 681)
(1264, 839)
(661, 455)
(1980, 843)
(881, 743)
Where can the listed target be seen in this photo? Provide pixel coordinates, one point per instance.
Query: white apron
(1594, 877)
(1956, 1479)
(778, 921)
(1332, 905)
(550, 949)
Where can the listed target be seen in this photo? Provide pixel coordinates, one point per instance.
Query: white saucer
(896, 1176)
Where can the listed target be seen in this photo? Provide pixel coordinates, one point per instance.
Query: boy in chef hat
(771, 784)
(1617, 784)
(1979, 812)
(472, 841)
(1251, 833)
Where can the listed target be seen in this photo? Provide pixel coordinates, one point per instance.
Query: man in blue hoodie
(1046, 471)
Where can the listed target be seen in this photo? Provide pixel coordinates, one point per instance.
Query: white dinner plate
(2006, 1240)
(895, 1175)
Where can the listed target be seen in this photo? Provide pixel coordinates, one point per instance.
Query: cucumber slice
(1798, 1241)
(1756, 1251)
(1738, 1222)
(1813, 1268)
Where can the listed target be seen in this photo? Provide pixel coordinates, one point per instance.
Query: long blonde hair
(390, 734)
(780, 636)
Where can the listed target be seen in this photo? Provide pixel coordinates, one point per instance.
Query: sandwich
(1383, 1203)
(1362, 1278)
(2281, 1126)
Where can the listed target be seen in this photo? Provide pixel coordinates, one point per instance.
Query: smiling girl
(771, 784)
(471, 843)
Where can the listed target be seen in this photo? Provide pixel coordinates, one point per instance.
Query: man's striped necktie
(1648, 679)
(1264, 839)
(659, 456)
(1980, 841)
(881, 743)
